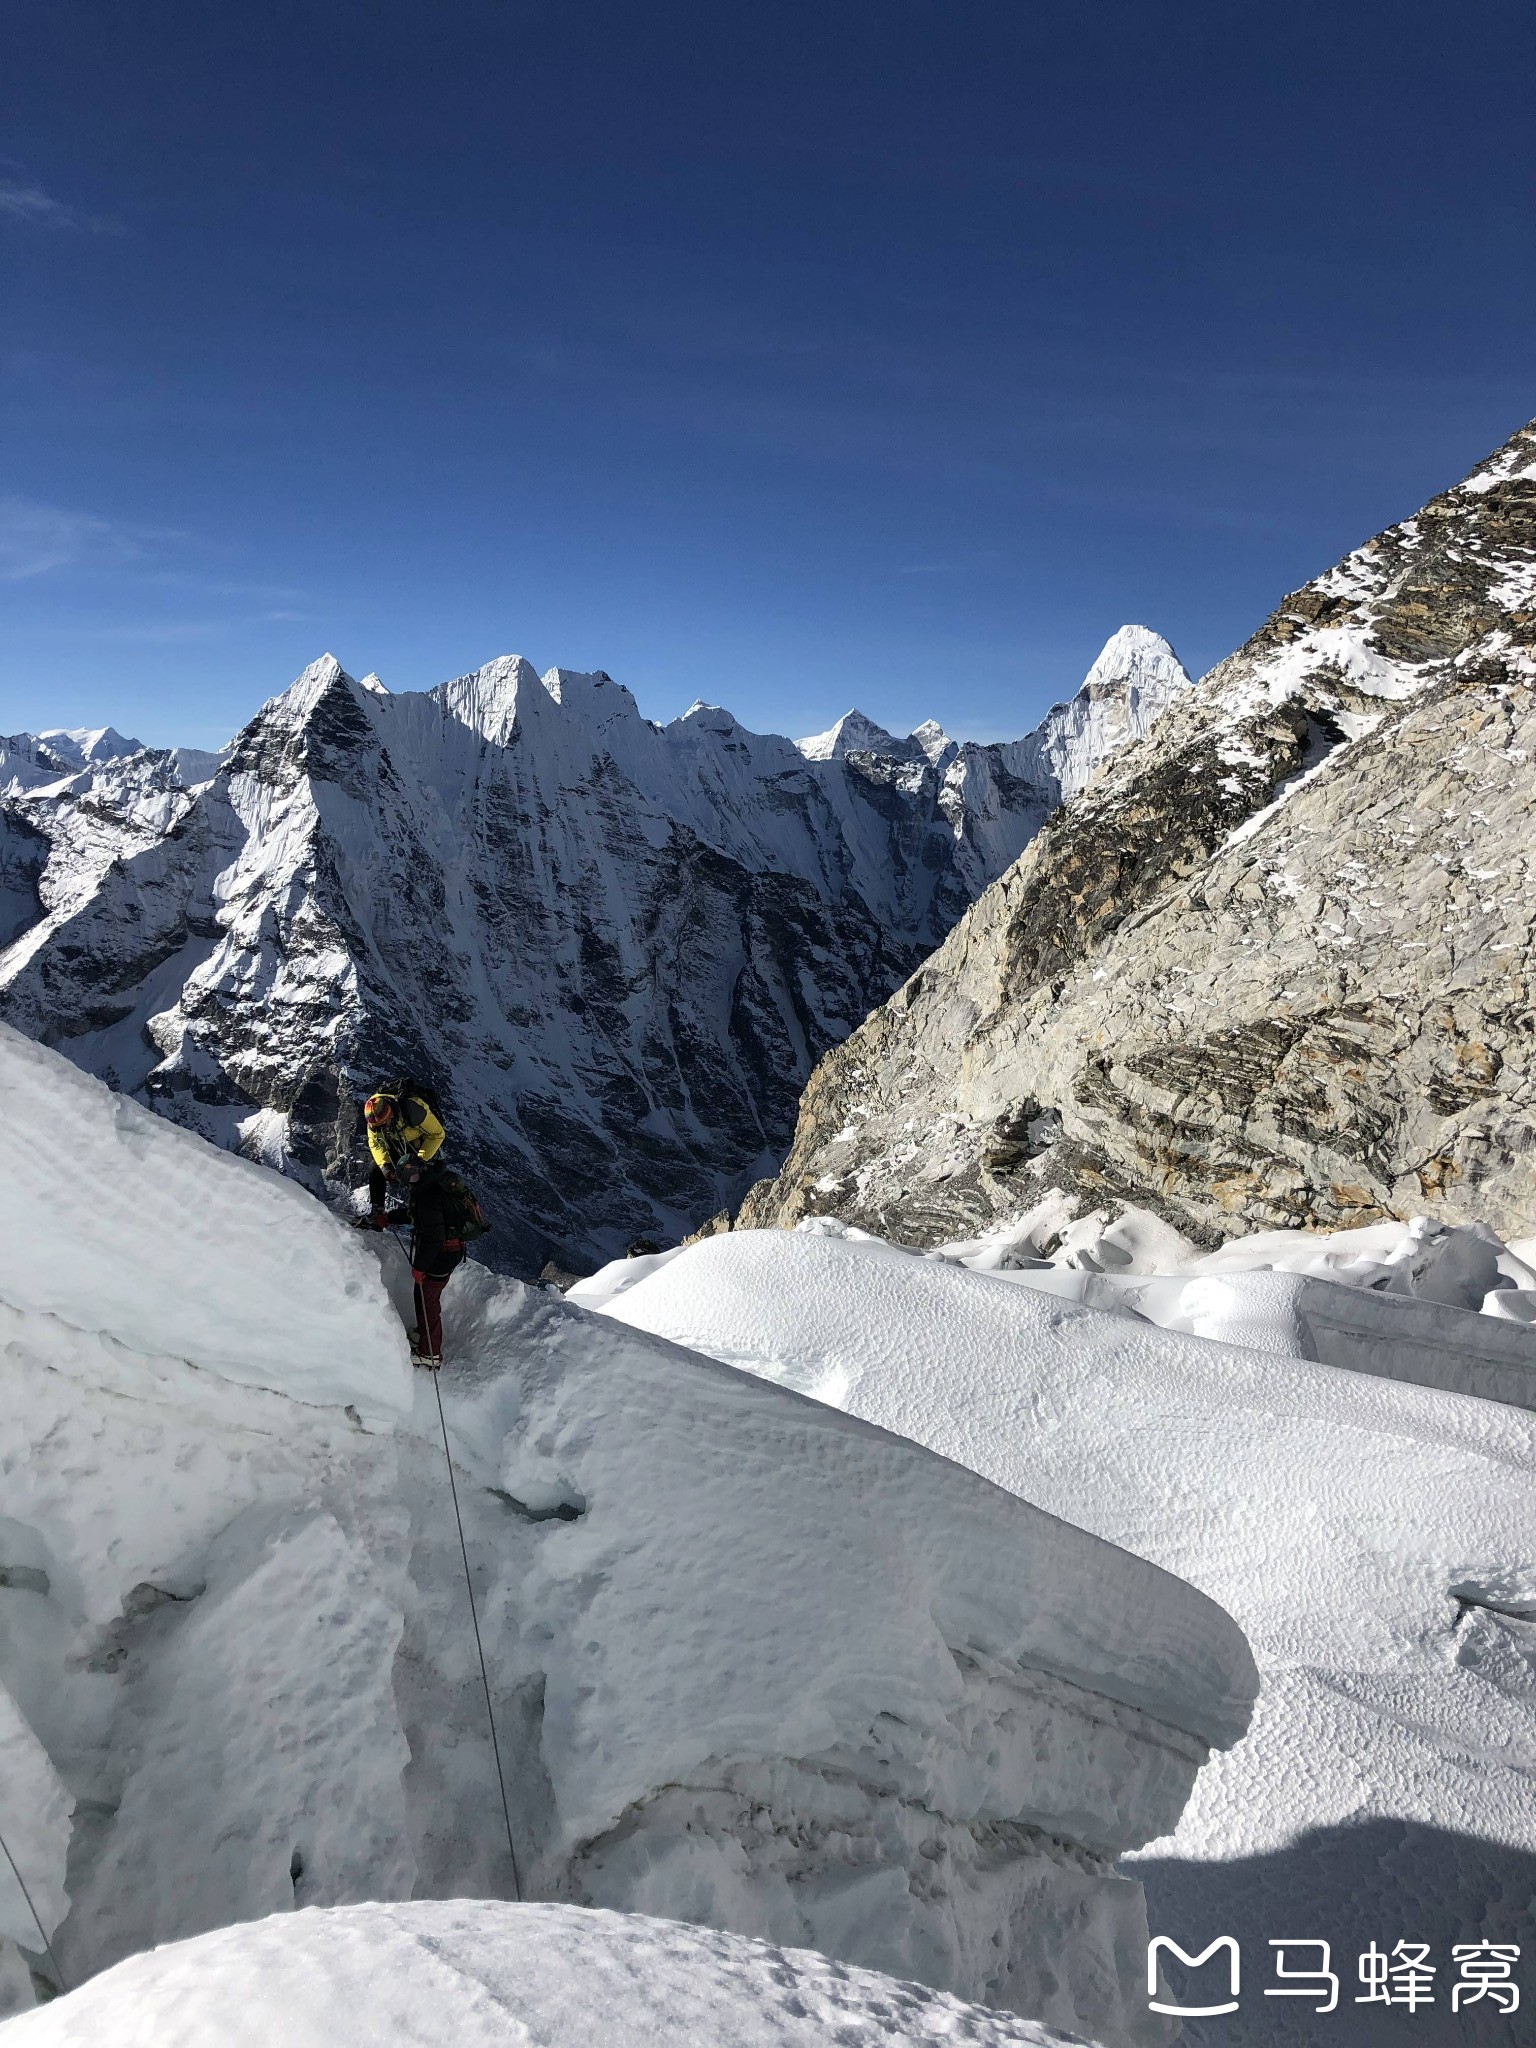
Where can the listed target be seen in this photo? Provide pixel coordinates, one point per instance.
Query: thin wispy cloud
(144, 569)
(28, 205)
(35, 538)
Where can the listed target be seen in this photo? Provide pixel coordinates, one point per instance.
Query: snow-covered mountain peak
(593, 697)
(934, 741)
(32, 760)
(1135, 658)
(490, 698)
(702, 717)
(374, 684)
(854, 734)
(89, 744)
(295, 705)
(1135, 678)
(28, 762)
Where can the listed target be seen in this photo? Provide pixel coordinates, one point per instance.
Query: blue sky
(891, 352)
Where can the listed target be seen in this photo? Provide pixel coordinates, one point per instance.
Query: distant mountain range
(617, 948)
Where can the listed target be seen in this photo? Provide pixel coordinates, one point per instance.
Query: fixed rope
(469, 1587)
(37, 1917)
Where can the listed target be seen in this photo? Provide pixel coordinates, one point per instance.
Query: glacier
(758, 1664)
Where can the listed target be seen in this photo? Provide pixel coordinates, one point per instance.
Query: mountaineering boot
(426, 1358)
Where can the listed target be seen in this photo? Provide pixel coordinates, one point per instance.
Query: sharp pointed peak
(307, 688)
(326, 669)
(1130, 650)
(1133, 659)
(933, 739)
(854, 733)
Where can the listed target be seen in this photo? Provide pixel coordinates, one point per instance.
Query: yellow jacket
(421, 1140)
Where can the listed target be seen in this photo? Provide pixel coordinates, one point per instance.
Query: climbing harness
(38, 1918)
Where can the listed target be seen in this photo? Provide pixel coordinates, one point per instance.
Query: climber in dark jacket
(405, 1137)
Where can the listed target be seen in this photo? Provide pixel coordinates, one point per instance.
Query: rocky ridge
(619, 949)
(1274, 967)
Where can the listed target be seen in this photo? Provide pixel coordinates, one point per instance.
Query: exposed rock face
(618, 949)
(1274, 966)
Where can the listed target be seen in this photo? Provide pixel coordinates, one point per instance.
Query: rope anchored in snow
(38, 1918)
(474, 1619)
(490, 1713)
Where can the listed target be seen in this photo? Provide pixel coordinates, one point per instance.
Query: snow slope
(192, 1253)
(472, 1975)
(1375, 1539)
(618, 948)
(756, 1664)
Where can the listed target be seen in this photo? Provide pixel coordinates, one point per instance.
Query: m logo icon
(1192, 2012)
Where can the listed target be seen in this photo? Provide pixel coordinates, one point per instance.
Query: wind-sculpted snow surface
(1374, 1538)
(756, 1664)
(618, 948)
(476, 1975)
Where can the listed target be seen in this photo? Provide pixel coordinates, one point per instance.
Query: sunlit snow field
(1376, 1539)
(899, 1607)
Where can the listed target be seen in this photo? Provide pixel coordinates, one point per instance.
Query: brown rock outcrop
(1275, 965)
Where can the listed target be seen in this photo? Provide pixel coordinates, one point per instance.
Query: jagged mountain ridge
(618, 948)
(1275, 967)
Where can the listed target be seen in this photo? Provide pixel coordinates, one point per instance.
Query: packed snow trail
(1375, 1539)
(465, 1974)
(753, 1663)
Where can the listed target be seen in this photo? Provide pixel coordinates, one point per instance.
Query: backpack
(463, 1217)
(420, 1091)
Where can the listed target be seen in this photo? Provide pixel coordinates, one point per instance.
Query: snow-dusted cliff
(1275, 966)
(618, 948)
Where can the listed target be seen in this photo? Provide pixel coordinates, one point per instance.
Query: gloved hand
(375, 1221)
(417, 1275)
(396, 1217)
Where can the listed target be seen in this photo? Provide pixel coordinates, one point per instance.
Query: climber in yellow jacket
(405, 1136)
(404, 1131)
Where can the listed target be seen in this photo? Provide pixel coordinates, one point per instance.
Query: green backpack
(463, 1217)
